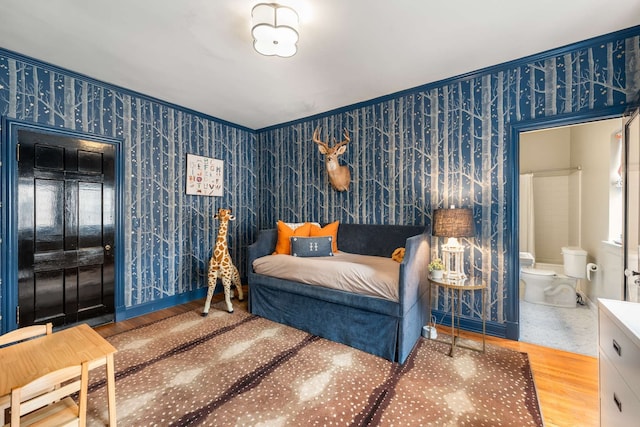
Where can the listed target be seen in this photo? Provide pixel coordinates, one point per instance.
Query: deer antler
(345, 141)
(316, 139)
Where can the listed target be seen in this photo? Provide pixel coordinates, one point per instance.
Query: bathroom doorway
(571, 195)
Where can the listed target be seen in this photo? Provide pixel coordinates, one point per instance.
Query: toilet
(548, 287)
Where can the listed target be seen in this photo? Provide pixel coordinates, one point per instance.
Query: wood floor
(567, 383)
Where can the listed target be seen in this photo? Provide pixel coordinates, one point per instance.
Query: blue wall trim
(75, 75)
(440, 143)
(513, 165)
(452, 80)
(167, 235)
(448, 142)
(470, 324)
(124, 313)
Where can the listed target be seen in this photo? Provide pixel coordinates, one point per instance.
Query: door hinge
(18, 315)
(17, 152)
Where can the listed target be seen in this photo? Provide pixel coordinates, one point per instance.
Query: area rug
(242, 370)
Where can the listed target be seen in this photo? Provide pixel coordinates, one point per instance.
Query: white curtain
(527, 219)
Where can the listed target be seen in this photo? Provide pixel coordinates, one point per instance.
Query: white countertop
(625, 314)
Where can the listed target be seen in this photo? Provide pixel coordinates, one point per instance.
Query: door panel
(48, 298)
(89, 219)
(66, 219)
(49, 207)
(632, 210)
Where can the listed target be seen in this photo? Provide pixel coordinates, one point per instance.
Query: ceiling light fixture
(274, 29)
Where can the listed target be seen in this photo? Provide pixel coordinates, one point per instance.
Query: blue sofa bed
(378, 326)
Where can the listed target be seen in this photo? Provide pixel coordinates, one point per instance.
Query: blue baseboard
(471, 324)
(124, 313)
(513, 331)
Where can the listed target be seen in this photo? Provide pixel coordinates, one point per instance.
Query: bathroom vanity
(619, 353)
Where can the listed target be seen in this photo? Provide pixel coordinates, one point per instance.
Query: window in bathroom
(615, 190)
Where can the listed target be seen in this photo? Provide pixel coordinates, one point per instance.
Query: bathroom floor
(569, 329)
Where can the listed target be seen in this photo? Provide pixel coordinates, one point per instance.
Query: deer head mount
(339, 175)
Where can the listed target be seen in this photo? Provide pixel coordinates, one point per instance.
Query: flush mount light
(274, 29)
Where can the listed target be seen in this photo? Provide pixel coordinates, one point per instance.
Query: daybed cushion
(379, 240)
(360, 274)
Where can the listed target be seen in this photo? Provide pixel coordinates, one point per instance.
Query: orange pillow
(283, 245)
(327, 230)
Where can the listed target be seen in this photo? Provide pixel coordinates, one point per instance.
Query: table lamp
(453, 223)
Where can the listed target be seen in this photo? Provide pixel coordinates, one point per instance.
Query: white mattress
(360, 274)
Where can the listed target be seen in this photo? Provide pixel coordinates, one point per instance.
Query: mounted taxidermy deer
(339, 175)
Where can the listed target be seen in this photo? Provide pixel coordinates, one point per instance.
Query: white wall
(551, 206)
(566, 215)
(544, 150)
(591, 147)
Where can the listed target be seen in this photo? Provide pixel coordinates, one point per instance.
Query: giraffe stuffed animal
(221, 265)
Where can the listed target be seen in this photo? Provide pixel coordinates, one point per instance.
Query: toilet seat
(538, 271)
(548, 287)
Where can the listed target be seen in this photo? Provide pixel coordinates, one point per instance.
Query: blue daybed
(378, 326)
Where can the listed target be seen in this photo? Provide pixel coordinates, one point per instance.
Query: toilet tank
(575, 262)
(526, 259)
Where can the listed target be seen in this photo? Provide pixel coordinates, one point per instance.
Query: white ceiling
(199, 54)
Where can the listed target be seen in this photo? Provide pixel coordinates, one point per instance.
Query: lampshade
(454, 222)
(274, 29)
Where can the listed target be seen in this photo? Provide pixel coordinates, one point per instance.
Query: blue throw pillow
(311, 246)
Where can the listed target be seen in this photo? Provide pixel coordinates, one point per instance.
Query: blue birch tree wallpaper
(168, 235)
(433, 146)
(439, 145)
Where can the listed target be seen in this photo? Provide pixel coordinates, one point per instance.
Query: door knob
(107, 247)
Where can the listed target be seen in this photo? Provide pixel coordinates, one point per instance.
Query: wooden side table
(469, 284)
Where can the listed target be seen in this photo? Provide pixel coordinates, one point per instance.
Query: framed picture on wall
(204, 175)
